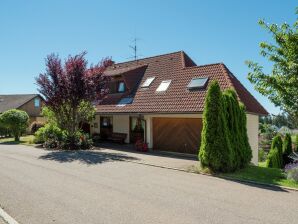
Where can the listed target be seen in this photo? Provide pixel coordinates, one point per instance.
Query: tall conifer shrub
(215, 151)
(274, 158)
(287, 149)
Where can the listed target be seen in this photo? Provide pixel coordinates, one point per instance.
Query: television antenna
(134, 48)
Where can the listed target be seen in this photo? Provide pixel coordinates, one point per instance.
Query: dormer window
(164, 85)
(148, 82)
(121, 87)
(197, 83)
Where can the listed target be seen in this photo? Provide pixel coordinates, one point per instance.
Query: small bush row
(51, 136)
(280, 151)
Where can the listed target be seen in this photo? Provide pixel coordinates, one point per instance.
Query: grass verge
(256, 174)
(25, 140)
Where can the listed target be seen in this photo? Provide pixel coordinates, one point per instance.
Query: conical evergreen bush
(246, 154)
(274, 158)
(215, 150)
(287, 148)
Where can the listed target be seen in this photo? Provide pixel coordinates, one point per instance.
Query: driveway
(38, 187)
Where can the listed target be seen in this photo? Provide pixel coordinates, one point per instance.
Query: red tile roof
(179, 68)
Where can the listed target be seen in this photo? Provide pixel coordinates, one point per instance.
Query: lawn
(262, 175)
(25, 140)
(259, 174)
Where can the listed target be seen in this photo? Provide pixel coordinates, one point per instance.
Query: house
(161, 100)
(31, 103)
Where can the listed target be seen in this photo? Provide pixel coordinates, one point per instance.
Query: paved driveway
(38, 187)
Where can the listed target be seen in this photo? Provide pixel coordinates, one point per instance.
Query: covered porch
(178, 133)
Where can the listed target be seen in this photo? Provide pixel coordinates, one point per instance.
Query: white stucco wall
(121, 125)
(92, 128)
(252, 132)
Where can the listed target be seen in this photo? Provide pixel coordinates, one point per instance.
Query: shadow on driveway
(86, 157)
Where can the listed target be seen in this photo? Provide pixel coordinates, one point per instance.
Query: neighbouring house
(160, 99)
(31, 103)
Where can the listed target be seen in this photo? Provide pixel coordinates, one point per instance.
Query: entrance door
(137, 129)
(106, 127)
(177, 134)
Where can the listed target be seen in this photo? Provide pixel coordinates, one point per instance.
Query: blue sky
(208, 31)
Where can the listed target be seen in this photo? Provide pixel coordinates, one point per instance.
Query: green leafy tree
(70, 89)
(274, 158)
(281, 85)
(215, 150)
(15, 121)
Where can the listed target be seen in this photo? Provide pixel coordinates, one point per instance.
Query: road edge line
(7, 218)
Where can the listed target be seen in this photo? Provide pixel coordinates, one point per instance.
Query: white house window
(164, 85)
(148, 82)
(37, 102)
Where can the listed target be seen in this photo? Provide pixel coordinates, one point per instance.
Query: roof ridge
(229, 74)
(160, 55)
(205, 65)
(19, 94)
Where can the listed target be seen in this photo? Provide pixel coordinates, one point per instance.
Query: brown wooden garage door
(177, 134)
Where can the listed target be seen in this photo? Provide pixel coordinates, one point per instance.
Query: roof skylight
(148, 82)
(197, 83)
(164, 85)
(124, 101)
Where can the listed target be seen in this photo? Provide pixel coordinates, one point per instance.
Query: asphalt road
(38, 186)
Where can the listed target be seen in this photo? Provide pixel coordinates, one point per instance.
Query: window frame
(159, 88)
(150, 82)
(189, 87)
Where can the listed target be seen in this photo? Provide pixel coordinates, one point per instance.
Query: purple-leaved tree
(70, 89)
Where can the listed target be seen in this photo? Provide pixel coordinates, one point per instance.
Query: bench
(118, 137)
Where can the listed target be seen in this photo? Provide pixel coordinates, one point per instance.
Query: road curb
(220, 177)
(7, 218)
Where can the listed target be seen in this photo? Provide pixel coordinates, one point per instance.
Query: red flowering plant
(70, 91)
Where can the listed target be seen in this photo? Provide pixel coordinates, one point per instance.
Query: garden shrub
(35, 125)
(262, 155)
(50, 135)
(296, 143)
(71, 142)
(78, 141)
(287, 149)
(85, 141)
(4, 132)
(274, 158)
(215, 150)
(15, 121)
(292, 171)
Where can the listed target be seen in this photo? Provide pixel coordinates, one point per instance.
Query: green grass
(262, 175)
(25, 140)
(259, 174)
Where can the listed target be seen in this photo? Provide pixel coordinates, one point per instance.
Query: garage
(181, 135)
